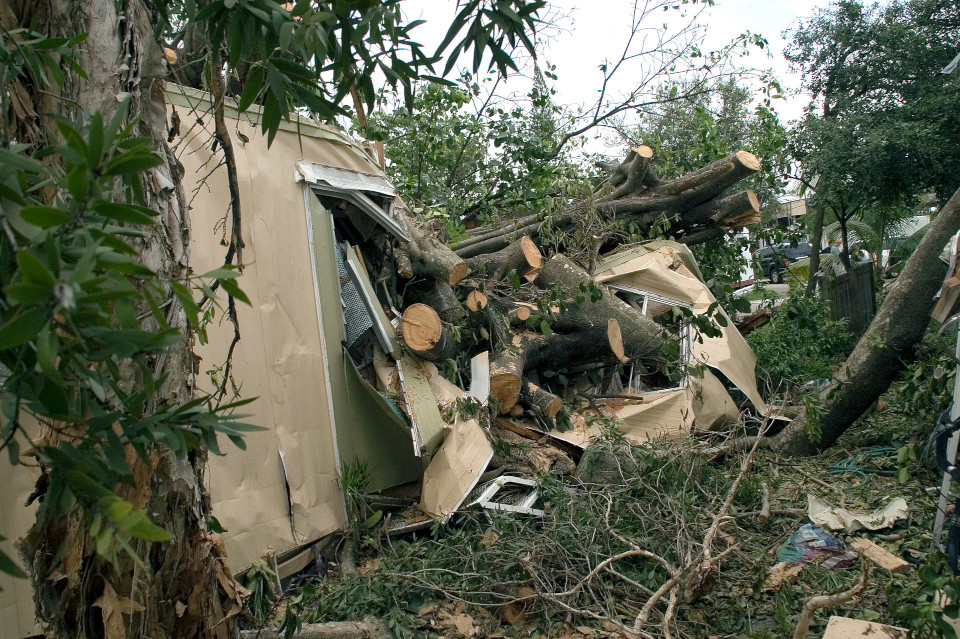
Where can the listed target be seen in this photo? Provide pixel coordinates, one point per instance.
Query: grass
(476, 570)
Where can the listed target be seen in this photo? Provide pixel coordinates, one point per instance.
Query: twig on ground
(828, 601)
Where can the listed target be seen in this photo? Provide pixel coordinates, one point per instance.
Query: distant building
(786, 214)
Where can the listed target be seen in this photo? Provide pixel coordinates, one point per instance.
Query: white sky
(597, 31)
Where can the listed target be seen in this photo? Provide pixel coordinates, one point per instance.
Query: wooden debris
(476, 301)
(879, 555)
(846, 628)
(489, 538)
(754, 321)
(424, 333)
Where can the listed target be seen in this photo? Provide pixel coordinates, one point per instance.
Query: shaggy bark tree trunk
(887, 346)
(187, 590)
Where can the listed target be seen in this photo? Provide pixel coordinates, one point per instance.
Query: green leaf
(132, 162)
(22, 328)
(116, 508)
(8, 567)
(44, 216)
(47, 351)
(140, 526)
(126, 213)
(233, 289)
(78, 182)
(33, 270)
(213, 525)
(545, 328)
(373, 519)
(252, 89)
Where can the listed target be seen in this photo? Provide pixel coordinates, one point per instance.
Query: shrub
(801, 343)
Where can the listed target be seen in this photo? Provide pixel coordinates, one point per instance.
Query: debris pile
(491, 326)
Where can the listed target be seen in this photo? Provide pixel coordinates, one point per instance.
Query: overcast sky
(596, 30)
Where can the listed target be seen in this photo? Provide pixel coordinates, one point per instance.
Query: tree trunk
(885, 349)
(425, 335)
(186, 590)
(640, 335)
(689, 202)
(816, 239)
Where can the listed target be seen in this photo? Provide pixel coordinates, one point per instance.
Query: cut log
(438, 295)
(532, 350)
(506, 375)
(639, 334)
(476, 301)
(685, 192)
(540, 401)
(429, 257)
(500, 237)
(425, 335)
(636, 171)
(642, 198)
(521, 256)
(519, 315)
(744, 202)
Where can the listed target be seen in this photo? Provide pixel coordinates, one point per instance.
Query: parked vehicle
(775, 259)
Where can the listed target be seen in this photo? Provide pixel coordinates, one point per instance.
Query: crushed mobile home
(320, 350)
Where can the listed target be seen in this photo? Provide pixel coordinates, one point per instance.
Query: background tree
(882, 126)
(470, 153)
(887, 132)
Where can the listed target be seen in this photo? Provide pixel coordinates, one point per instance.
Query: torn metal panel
(425, 420)
(357, 316)
(344, 179)
(356, 188)
(382, 328)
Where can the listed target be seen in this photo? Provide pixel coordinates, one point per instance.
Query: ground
(618, 525)
(510, 575)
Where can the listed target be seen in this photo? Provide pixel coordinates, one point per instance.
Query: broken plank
(846, 628)
(878, 555)
(425, 419)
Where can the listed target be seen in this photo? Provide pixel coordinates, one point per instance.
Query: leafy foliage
(800, 344)
(888, 123)
(495, 159)
(313, 55)
(82, 325)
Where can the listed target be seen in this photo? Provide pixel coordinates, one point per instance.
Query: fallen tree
(535, 313)
(689, 206)
(883, 352)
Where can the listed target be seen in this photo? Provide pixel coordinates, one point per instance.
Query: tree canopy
(883, 125)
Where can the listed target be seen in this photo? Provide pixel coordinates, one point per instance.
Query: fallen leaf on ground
(489, 538)
(780, 573)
